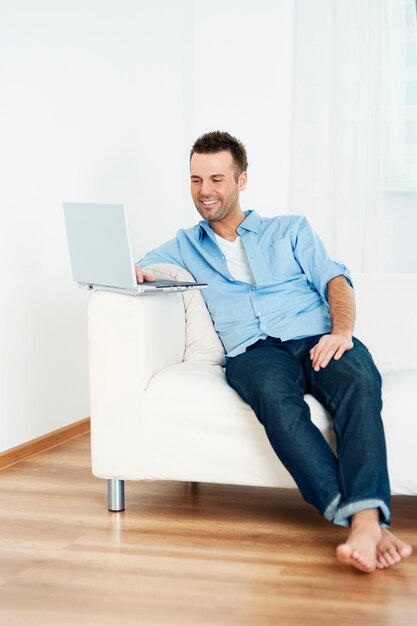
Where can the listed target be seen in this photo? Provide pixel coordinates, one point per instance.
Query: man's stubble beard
(222, 213)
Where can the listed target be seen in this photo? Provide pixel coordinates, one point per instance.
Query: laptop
(101, 257)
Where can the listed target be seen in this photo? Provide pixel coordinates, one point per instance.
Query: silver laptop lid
(99, 245)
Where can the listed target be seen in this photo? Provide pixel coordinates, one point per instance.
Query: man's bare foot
(391, 550)
(360, 547)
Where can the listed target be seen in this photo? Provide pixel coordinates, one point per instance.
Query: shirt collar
(251, 222)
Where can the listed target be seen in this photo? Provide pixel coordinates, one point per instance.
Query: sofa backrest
(386, 318)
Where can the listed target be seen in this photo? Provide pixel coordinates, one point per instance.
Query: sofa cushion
(217, 435)
(201, 340)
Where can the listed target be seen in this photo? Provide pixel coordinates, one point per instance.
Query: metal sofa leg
(116, 494)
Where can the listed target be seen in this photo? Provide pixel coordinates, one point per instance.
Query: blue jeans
(272, 376)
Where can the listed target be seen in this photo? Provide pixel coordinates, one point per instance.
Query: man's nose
(206, 188)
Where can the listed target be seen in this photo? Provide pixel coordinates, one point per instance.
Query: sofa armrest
(134, 337)
(130, 339)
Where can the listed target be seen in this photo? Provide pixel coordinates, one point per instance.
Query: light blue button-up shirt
(291, 267)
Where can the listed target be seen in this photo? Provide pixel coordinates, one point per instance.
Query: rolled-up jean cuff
(344, 513)
(332, 508)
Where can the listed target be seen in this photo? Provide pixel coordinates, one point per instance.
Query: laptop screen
(99, 244)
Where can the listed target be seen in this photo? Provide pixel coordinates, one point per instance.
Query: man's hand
(142, 275)
(329, 347)
(342, 313)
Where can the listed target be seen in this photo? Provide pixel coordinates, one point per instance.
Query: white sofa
(161, 407)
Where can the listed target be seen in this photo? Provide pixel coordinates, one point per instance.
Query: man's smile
(209, 202)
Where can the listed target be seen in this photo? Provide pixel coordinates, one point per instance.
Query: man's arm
(342, 312)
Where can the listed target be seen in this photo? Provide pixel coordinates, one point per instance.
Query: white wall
(101, 101)
(242, 83)
(93, 107)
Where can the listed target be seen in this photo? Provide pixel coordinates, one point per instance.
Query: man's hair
(217, 141)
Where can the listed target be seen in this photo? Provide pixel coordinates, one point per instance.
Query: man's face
(214, 189)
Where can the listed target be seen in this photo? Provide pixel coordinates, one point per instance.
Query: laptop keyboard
(168, 283)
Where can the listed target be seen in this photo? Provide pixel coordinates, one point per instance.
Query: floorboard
(182, 553)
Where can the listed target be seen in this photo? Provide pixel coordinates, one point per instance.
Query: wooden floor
(181, 554)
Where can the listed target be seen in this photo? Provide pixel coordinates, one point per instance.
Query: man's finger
(326, 353)
(313, 352)
(142, 275)
(138, 272)
(327, 357)
(340, 352)
(321, 352)
(317, 354)
(324, 358)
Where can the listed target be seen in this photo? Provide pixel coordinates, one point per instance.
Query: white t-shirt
(236, 259)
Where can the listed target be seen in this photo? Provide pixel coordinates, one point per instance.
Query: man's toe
(383, 562)
(406, 551)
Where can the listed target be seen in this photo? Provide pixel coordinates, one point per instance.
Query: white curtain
(337, 138)
(400, 67)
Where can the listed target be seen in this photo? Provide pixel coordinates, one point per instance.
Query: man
(284, 312)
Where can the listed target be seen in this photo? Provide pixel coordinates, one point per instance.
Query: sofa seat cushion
(194, 421)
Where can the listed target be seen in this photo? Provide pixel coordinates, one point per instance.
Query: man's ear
(243, 179)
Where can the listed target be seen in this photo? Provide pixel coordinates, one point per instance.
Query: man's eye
(217, 180)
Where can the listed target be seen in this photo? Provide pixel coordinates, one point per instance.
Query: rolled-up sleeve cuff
(329, 271)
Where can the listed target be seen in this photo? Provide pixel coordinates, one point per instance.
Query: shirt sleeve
(168, 252)
(315, 261)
